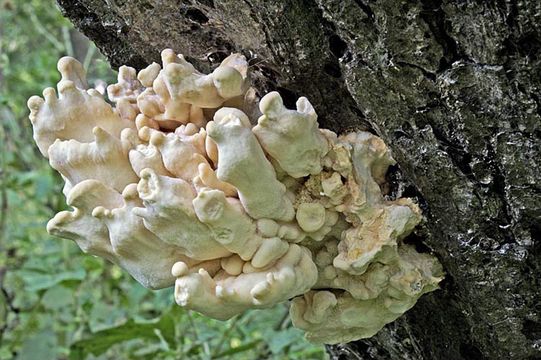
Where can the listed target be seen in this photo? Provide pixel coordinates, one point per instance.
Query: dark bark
(453, 87)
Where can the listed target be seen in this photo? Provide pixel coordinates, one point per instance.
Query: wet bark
(453, 87)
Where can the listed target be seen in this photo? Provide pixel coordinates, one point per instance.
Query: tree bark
(453, 87)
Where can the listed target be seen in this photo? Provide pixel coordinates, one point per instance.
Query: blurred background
(56, 302)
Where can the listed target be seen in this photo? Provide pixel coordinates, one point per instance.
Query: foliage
(55, 301)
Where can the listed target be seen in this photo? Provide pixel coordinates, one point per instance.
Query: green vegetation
(56, 302)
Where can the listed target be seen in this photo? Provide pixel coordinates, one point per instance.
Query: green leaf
(35, 281)
(102, 340)
(40, 346)
(283, 338)
(57, 297)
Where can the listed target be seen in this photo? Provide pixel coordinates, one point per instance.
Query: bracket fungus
(175, 183)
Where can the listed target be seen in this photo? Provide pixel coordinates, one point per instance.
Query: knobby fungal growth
(190, 180)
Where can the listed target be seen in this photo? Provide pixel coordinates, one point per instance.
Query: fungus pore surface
(190, 180)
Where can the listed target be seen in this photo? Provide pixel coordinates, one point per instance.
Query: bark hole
(337, 46)
(196, 15)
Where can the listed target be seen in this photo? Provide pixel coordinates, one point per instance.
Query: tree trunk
(453, 87)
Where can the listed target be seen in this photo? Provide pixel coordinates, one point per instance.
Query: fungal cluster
(190, 180)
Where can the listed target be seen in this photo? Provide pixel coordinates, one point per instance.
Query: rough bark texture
(453, 87)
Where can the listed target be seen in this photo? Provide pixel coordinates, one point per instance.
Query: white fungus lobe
(182, 183)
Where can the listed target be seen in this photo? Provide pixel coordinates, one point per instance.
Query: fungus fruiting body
(178, 185)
